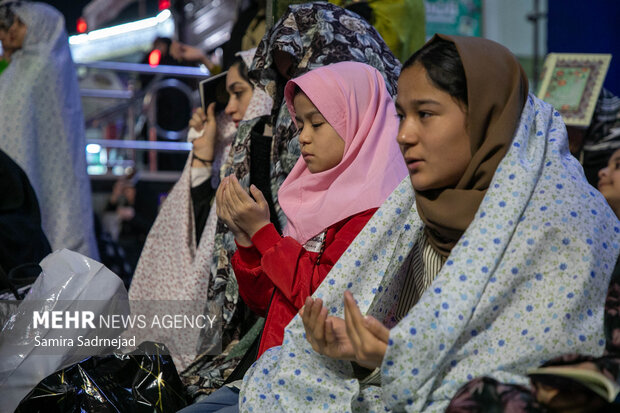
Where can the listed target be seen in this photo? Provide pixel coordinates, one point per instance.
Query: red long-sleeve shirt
(281, 263)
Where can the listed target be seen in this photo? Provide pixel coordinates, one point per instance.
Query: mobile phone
(213, 89)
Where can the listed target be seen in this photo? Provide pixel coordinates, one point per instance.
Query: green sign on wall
(456, 17)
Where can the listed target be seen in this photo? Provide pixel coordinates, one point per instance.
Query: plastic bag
(68, 281)
(142, 381)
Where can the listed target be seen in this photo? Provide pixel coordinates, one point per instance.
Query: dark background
(578, 26)
(71, 9)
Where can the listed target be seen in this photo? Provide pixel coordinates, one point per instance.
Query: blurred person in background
(182, 52)
(248, 30)
(609, 182)
(42, 123)
(595, 144)
(6, 20)
(130, 225)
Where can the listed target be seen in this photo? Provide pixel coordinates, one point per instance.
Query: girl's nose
(231, 107)
(407, 134)
(304, 138)
(603, 172)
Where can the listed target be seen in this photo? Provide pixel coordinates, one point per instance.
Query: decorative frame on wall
(572, 83)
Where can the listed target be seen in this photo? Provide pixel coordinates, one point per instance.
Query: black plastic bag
(145, 380)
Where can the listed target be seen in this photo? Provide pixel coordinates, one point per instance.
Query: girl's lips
(414, 164)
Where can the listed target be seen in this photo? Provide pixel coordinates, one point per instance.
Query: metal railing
(142, 68)
(106, 94)
(141, 145)
(142, 105)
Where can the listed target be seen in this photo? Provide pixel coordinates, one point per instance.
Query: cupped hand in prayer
(327, 335)
(239, 211)
(356, 338)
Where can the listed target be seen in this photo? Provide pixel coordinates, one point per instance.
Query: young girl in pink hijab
(350, 163)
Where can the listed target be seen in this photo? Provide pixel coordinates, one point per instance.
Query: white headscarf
(42, 128)
(525, 283)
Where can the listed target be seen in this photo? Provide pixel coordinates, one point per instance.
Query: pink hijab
(354, 100)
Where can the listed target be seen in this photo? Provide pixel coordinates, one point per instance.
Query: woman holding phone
(174, 264)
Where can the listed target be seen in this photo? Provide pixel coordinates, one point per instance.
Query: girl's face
(609, 181)
(16, 35)
(239, 92)
(321, 146)
(432, 133)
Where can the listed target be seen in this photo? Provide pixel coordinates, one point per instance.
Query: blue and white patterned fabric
(525, 283)
(42, 128)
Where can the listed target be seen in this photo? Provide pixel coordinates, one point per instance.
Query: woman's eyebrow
(312, 113)
(418, 102)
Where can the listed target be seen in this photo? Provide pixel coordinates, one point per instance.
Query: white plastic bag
(69, 282)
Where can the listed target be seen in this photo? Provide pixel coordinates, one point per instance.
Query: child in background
(350, 163)
(609, 182)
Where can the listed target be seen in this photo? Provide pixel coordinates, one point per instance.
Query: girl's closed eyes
(321, 146)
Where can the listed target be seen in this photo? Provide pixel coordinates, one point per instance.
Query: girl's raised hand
(222, 209)
(369, 338)
(248, 215)
(203, 147)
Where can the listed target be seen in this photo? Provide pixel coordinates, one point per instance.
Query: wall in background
(505, 21)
